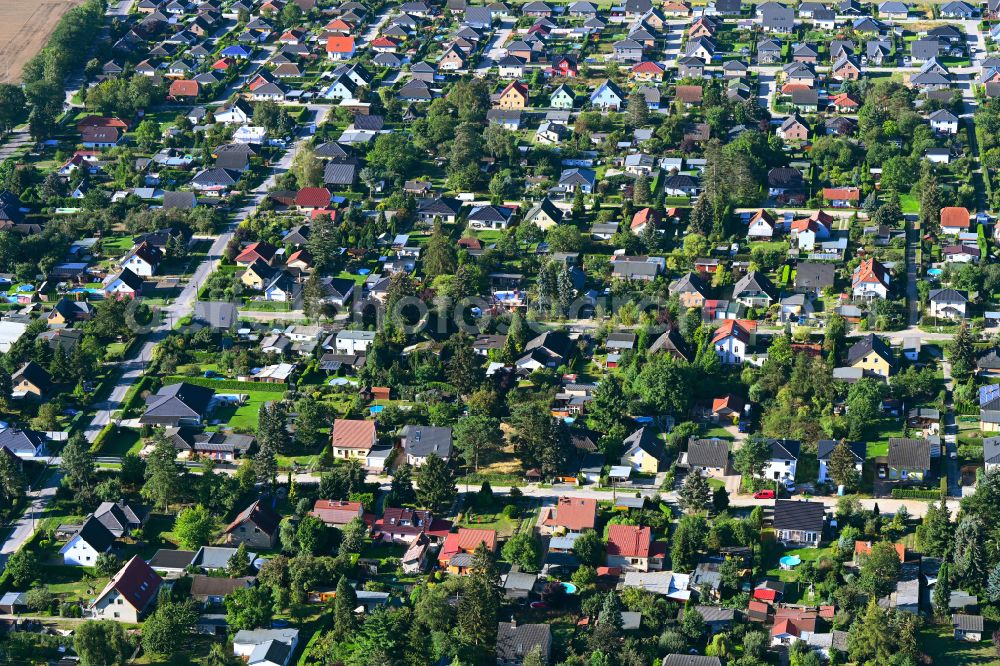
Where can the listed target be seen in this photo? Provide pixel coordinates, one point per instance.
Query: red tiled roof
(869, 270)
(101, 121)
(647, 67)
(729, 401)
(255, 251)
(384, 42)
(136, 582)
(645, 215)
(862, 547)
(313, 197)
(841, 193)
(629, 540)
(353, 434)
(688, 94)
(518, 86)
(731, 327)
(573, 513)
(466, 541)
(955, 217)
(844, 99)
(184, 88)
(339, 44)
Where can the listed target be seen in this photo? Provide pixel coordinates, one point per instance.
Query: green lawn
(124, 440)
(939, 643)
(244, 417)
(909, 203)
(72, 583)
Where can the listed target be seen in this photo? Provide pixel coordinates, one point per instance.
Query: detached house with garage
(419, 442)
(708, 457)
(177, 404)
(783, 461)
(870, 280)
(872, 356)
(909, 460)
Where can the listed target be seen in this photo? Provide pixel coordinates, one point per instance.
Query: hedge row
(915, 493)
(228, 384)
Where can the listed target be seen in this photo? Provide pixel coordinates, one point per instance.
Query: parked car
(764, 494)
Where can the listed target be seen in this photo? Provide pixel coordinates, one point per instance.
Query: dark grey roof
(948, 296)
(183, 200)
(909, 453)
(171, 559)
(181, 400)
(991, 450)
(690, 660)
(96, 534)
(673, 343)
(708, 453)
(967, 622)
(825, 447)
(421, 441)
(516, 641)
(340, 173)
(216, 314)
(21, 441)
(866, 345)
(814, 275)
(799, 515)
(785, 449)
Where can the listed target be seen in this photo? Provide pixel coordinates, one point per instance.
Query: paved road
(119, 8)
(24, 527)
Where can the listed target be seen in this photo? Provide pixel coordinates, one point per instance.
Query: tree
(392, 154)
(936, 530)
(249, 607)
(842, 467)
(13, 106)
(353, 536)
(609, 621)
(239, 562)
(941, 597)
(401, 490)
(970, 563)
(689, 538)
(195, 526)
(101, 643)
(272, 427)
(22, 567)
(751, 458)
(534, 657)
(168, 622)
(879, 570)
(695, 494)
(164, 477)
(864, 403)
(524, 550)
(344, 622)
(435, 488)
(638, 110)
(108, 564)
(609, 406)
(78, 463)
(312, 536)
(477, 436)
(464, 367)
(439, 254)
(12, 480)
(312, 421)
(217, 656)
(479, 605)
(962, 353)
(148, 134)
(720, 499)
(588, 548)
(993, 584)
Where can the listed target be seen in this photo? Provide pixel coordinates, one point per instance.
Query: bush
(511, 511)
(915, 493)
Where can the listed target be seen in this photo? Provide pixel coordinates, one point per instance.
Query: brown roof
(216, 586)
(136, 582)
(573, 513)
(688, 94)
(260, 515)
(353, 434)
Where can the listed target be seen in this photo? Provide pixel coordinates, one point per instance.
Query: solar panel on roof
(989, 393)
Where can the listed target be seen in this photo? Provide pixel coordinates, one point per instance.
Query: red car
(764, 494)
